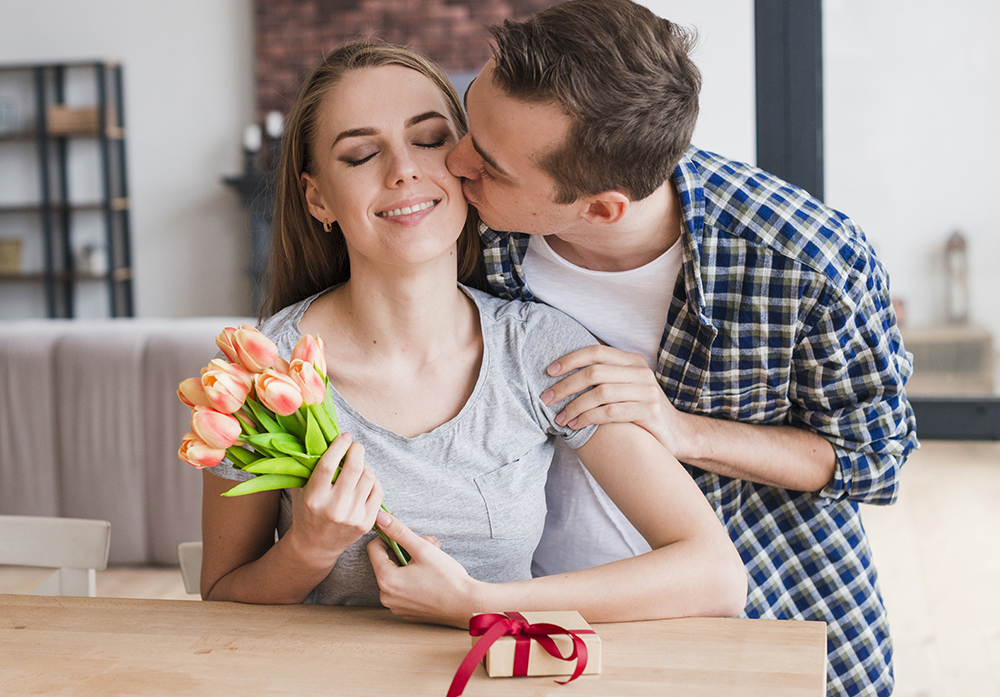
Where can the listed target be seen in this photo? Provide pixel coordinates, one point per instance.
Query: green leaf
(330, 407)
(315, 442)
(264, 416)
(326, 423)
(278, 465)
(266, 482)
(291, 424)
(241, 457)
(282, 442)
(306, 459)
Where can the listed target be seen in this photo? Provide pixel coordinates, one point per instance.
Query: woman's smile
(409, 209)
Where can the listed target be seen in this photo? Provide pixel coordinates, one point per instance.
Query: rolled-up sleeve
(850, 372)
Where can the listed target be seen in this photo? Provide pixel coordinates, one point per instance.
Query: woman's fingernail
(561, 418)
(346, 435)
(547, 397)
(573, 423)
(383, 518)
(554, 369)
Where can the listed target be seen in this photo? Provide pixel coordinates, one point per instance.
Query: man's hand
(624, 390)
(433, 587)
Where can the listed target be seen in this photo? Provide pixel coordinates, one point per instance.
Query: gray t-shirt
(477, 482)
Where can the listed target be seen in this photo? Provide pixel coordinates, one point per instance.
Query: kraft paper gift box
(499, 660)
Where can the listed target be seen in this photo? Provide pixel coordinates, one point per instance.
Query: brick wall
(293, 35)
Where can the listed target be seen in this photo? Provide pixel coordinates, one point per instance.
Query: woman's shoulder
(283, 326)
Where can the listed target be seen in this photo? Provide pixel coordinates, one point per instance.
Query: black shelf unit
(54, 126)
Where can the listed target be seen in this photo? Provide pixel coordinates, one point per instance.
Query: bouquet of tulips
(272, 418)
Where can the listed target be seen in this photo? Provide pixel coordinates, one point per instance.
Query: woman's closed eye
(356, 159)
(439, 143)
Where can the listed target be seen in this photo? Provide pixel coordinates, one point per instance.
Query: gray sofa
(90, 424)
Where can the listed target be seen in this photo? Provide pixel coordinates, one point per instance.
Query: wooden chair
(189, 555)
(75, 547)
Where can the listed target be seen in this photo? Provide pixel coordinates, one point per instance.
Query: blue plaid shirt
(781, 315)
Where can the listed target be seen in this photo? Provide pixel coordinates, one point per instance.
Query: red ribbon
(491, 626)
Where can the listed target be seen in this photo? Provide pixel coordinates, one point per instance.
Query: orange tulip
(192, 393)
(218, 430)
(255, 351)
(197, 453)
(226, 385)
(225, 341)
(309, 382)
(310, 349)
(278, 392)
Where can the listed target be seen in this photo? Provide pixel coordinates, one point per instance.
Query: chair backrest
(189, 555)
(75, 547)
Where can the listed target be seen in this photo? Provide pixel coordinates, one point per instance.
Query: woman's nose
(463, 160)
(403, 168)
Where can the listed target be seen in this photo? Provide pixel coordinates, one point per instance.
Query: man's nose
(462, 159)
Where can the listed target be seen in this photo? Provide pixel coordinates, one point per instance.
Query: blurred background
(903, 140)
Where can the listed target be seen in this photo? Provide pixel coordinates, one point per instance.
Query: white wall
(725, 56)
(189, 93)
(912, 93)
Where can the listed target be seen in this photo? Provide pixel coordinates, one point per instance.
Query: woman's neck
(405, 352)
(389, 316)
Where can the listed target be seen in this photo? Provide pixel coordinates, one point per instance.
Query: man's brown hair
(622, 75)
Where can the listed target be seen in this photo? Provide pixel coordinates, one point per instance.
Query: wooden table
(108, 647)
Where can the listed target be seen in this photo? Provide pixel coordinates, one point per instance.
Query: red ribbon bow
(491, 626)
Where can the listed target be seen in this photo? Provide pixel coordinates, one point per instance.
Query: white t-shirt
(624, 309)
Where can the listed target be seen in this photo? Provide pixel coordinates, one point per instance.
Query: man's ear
(314, 199)
(606, 208)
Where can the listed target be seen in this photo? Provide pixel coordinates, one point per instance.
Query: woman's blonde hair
(304, 258)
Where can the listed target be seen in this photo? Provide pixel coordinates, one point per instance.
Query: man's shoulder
(753, 207)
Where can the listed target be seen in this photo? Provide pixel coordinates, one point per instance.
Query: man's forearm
(783, 456)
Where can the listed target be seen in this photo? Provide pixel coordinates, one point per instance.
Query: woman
(441, 384)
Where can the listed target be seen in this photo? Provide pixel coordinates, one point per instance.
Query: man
(762, 346)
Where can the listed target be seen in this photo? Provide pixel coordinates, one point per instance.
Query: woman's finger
(326, 467)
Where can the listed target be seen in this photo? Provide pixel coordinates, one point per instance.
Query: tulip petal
(256, 352)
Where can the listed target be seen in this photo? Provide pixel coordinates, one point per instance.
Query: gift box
(530, 643)
(500, 660)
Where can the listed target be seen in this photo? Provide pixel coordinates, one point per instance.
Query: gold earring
(327, 226)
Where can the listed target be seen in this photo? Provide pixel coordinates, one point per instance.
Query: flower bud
(197, 453)
(217, 430)
(255, 351)
(278, 392)
(309, 382)
(311, 350)
(226, 386)
(192, 393)
(225, 341)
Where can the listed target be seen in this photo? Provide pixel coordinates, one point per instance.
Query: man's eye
(484, 173)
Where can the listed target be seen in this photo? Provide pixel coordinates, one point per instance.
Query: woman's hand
(433, 587)
(625, 390)
(328, 518)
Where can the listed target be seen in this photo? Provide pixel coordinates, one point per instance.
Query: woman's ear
(314, 199)
(606, 208)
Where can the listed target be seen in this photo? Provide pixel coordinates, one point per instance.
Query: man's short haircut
(622, 75)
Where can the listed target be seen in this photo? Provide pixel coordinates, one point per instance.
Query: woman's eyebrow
(369, 131)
